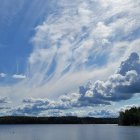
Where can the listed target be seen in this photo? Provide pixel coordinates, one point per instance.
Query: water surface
(69, 132)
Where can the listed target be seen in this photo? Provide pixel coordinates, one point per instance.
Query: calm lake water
(69, 132)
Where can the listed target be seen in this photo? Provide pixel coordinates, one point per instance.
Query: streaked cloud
(99, 37)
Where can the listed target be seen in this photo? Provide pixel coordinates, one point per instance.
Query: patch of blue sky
(132, 36)
(52, 67)
(115, 17)
(133, 101)
(67, 69)
(8, 80)
(18, 20)
(94, 61)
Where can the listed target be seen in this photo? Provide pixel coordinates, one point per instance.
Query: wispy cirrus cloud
(80, 38)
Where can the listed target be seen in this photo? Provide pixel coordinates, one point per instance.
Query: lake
(69, 132)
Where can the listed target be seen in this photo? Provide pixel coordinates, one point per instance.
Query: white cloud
(77, 39)
(103, 113)
(3, 75)
(127, 107)
(4, 100)
(122, 85)
(18, 76)
(89, 94)
(102, 31)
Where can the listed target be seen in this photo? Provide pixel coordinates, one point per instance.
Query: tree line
(130, 116)
(56, 120)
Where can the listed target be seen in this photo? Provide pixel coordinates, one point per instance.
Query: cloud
(4, 100)
(37, 106)
(3, 75)
(62, 52)
(103, 113)
(18, 76)
(132, 63)
(54, 113)
(32, 106)
(15, 76)
(4, 106)
(76, 54)
(122, 85)
(127, 107)
(36, 101)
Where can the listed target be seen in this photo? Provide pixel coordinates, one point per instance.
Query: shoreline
(56, 120)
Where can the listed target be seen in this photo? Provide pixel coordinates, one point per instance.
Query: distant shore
(56, 120)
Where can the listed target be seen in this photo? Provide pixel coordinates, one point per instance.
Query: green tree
(130, 116)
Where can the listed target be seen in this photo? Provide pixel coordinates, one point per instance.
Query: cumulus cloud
(38, 106)
(120, 86)
(4, 100)
(36, 101)
(32, 106)
(132, 63)
(4, 106)
(127, 107)
(103, 113)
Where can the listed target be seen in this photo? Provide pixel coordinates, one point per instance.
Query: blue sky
(69, 58)
(18, 20)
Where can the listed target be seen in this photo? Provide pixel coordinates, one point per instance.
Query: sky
(69, 58)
